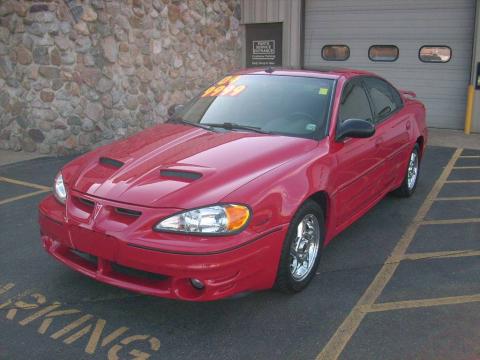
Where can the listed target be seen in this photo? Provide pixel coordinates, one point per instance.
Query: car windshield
(278, 104)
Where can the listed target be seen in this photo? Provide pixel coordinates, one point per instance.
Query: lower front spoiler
(248, 268)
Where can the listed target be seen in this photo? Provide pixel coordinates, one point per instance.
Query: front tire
(410, 181)
(302, 248)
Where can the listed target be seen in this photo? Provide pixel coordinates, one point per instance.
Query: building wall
(475, 60)
(286, 11)
(289, 12)
(67, 86)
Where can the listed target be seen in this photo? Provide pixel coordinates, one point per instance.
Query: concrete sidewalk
(453, 138)
(10, 157)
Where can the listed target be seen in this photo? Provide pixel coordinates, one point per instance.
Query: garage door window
(335, 52)
(436, 54)
(383, 53)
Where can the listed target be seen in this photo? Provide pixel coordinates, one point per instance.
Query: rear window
(335, 52)
(435, 54)
(383, 53)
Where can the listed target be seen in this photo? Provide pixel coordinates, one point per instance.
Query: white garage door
(409, 25)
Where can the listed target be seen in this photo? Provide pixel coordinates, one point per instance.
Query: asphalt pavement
(403, 282)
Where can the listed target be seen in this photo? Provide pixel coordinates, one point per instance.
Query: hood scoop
(110, 162)
(180, 174)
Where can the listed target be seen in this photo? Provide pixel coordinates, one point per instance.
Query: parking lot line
(457, 198)
(6, 287)
(24, 196)
(461, 181)
(411, 304)
(24, 183)
(347, 329)
(441, 254)
(470, 156)
(450, 221)
(466, 167)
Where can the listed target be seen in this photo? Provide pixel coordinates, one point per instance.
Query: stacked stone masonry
(67, 86)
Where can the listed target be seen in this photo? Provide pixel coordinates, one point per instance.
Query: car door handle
(378, 142)
(407, 126)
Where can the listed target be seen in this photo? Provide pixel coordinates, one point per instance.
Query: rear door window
(385, 98)
(354, 103)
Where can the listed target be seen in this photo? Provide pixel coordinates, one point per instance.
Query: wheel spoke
(304, 248)
(412, 172)
(300, 230)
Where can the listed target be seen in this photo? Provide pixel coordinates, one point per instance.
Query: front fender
(276, 195)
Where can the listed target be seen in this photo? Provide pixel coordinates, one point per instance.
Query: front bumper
(125, 262)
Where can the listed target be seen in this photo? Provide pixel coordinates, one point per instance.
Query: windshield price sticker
(227, 80)
(225, 87)
(222, 90)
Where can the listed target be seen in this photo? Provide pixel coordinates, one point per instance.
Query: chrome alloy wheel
(304, 248)
(412, 170)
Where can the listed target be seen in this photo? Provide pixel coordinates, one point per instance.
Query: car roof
(328, 72)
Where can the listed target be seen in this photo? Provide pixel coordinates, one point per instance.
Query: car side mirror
(355, 128)
(173, 109)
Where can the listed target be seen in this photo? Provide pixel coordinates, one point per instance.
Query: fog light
(197, 284)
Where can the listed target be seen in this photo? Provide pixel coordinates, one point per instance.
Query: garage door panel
(406, 61)
(436, 72)
(405, 30)
(455, 105)
(386, 4)
(399, 31)
(394, 18)
(398, 14)
(408, 48)
(445, 122)
(409, 25)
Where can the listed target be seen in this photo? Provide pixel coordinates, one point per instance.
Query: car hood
(179, 166)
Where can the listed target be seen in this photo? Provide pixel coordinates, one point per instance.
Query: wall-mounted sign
(264, 44)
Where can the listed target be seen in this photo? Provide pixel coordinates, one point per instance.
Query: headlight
(216, 219)
(59, 189)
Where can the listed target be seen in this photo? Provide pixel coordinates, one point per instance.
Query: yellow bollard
(469, 113)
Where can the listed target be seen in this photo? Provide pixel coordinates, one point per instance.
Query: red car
(241, 189)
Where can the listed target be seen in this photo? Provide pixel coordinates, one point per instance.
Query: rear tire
(410, 181)
(302, 248)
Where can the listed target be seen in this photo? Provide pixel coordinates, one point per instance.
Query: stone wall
(66, 85)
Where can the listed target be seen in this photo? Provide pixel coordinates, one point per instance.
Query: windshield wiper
(233, 126)
(181, 121)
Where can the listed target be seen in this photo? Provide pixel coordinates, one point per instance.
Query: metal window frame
(435, 46)
(383, 46)
(328, 45)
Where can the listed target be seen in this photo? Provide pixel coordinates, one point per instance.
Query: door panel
(359, 161)
(357, 174)
(395, 146)
(392, 125)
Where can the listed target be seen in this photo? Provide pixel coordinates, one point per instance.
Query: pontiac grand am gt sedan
(241, 189)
